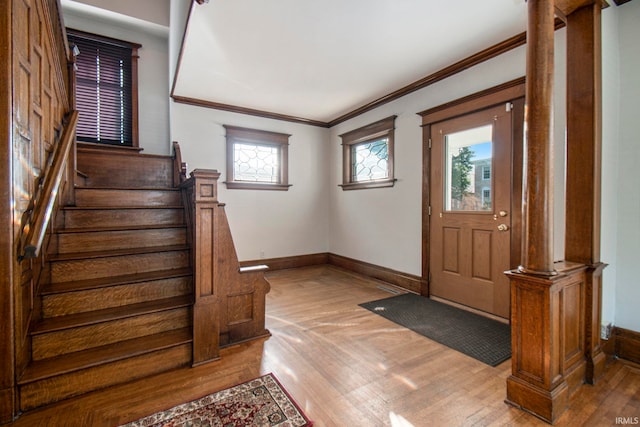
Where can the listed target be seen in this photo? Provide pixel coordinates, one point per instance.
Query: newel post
(206, 316)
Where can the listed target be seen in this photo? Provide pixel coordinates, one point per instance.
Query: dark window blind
(103, 91)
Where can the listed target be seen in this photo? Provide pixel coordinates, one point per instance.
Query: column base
(546, 405)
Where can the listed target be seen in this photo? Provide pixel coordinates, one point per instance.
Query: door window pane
(468, 162)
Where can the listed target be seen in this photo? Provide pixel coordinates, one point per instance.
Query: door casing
(512, 92)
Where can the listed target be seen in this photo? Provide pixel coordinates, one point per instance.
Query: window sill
(368, 184)
(235, 185)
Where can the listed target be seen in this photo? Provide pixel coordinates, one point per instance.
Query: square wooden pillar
(584, 147)
(547, 339)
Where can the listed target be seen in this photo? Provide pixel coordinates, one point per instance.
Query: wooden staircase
(118, 302)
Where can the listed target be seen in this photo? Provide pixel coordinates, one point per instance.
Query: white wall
(628, 190)
(156, 11)
(610, 148)
(383, 226)
(264, 224)
(153, 73)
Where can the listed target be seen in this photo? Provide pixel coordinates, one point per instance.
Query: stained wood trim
(247, 111)
(182, 40)
(627, 344)
(486, 98)
(296, 261)
(7, 349)
(404, 280)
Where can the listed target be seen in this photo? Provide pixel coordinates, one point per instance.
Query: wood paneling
(229, 303)
(107, 166)
(34, 96)
(627, 344)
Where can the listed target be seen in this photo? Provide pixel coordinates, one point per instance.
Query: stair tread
(108, 207)
(103, 282)
(96, 356)
(86, 187)
(72, 230)
(115, 252)
(98, 316)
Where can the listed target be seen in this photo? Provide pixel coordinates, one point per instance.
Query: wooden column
(537, 258)
(584, 146)
(206, 309)
(537, 383)
(7, 250)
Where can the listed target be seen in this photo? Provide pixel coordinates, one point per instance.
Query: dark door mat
(484, 339)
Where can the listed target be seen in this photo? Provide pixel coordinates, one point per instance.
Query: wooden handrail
(44, 207)
(179, 167)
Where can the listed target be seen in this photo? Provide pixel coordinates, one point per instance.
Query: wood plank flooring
(346, 366)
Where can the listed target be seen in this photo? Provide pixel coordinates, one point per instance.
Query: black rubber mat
(484, 339)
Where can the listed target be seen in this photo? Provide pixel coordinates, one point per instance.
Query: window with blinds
(105, 95)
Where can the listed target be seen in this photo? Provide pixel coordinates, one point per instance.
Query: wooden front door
(470, 223)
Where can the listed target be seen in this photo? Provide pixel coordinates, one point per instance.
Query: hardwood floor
(346, 366)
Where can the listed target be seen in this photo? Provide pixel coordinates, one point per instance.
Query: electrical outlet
(261, 254)
(605, 331)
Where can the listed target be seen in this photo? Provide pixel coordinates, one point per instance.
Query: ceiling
(320, 60)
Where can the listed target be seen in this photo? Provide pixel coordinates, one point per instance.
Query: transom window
(256, 159)
(368, 156)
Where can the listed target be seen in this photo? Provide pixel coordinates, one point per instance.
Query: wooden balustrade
(229, 302)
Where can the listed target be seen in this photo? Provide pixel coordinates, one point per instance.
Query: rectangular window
(256, 159)
(486, 173)
(105, 96)
(368, 156)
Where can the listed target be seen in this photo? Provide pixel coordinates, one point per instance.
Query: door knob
(503, 227)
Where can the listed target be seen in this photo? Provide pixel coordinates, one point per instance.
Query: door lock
(503, 227)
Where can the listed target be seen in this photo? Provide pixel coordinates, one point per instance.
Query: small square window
(368, 156)
(256, 159)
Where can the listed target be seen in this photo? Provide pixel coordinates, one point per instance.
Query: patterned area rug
(259, 402)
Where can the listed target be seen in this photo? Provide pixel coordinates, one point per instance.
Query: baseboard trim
(626, 344)
(397, 278)
(406, 281)
(296, 261)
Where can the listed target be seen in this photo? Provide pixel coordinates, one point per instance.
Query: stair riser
(124, 170)
(65, 271)
(126, 197)
(64, 386)
(114, 296)
(62, 243)
(74, 218)
(67, 341)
